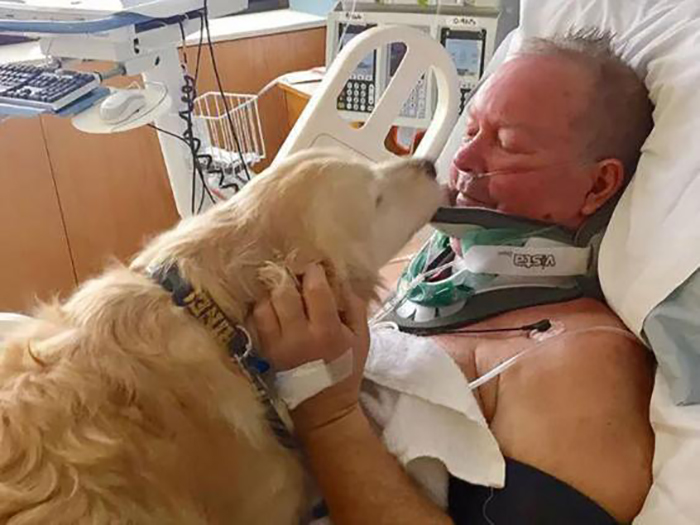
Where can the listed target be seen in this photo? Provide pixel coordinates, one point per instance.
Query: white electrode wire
(505, 365)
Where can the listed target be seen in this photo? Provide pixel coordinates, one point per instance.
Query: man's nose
(470, 157)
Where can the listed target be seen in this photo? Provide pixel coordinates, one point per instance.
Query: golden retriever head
(354, 216)
(318, 205)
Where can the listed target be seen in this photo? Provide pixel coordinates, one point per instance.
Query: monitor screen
(466, 55)
(347, 33)
(397, 51)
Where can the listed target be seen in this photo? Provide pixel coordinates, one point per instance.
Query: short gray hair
(619, 114)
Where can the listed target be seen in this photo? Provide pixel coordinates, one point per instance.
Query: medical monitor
(358, 95)
(467, 55)
(467, 33)
(347, 33)
(468, 51)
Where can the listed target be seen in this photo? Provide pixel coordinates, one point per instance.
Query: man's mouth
(466, 200)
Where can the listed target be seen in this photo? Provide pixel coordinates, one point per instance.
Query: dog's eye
(379, 201)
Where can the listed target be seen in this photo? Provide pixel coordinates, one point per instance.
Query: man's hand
(298, 328)
(371, 487)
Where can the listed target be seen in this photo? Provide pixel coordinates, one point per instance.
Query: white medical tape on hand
(305, 381)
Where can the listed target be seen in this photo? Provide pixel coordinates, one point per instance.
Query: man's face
(522, 125)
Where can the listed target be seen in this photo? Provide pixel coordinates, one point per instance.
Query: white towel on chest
(427, 416)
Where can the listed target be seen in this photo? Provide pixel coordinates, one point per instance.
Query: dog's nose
(428, 167)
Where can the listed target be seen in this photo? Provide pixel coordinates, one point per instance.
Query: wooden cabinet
(296, 97)
(70, 202)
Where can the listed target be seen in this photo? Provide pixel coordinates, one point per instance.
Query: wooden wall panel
(34, 256)
(114, 191)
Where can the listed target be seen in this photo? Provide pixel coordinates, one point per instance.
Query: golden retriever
(119, 407)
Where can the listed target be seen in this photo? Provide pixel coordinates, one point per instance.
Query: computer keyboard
(42, 87)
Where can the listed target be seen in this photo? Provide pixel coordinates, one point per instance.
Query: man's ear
(608, 177)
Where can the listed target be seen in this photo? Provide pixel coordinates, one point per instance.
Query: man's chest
(477, 356)
(554, 355)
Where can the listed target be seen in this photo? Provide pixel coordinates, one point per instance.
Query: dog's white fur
(117, 407)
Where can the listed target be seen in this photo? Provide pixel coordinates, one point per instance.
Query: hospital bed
(651, 251)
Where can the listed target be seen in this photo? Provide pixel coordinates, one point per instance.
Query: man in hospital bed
(560, 129)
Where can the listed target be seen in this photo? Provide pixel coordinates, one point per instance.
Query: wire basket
(226, 171)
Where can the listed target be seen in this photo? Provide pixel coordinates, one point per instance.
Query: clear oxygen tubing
(469, 176)
(397, 299)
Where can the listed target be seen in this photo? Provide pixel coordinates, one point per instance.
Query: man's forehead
(528, 88)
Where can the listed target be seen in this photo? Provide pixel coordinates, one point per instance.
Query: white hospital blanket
(426, 414)
(419, 402)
